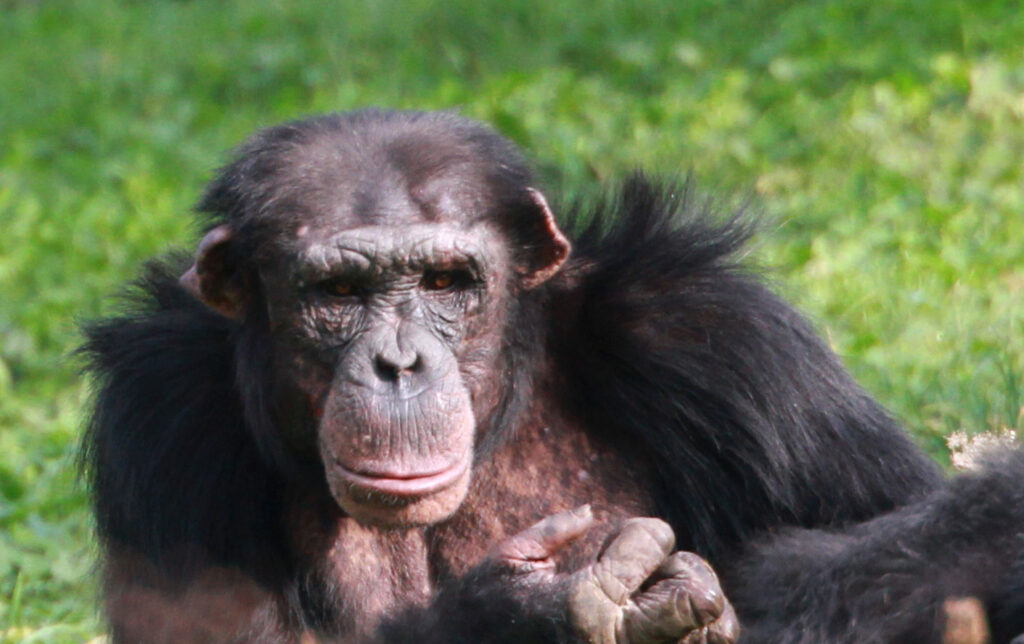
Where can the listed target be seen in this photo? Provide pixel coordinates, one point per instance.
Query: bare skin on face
(543, 472)
(384, 406)
(380, 291)
(408, 316)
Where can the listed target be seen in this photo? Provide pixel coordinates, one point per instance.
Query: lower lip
(405, 486)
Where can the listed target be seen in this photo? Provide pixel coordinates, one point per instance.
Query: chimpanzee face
(385, 273)
(391, 334)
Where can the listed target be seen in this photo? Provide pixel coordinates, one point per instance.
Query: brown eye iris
(339, 288)
(439, 280)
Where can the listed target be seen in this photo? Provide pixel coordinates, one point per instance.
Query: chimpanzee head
(372, 261)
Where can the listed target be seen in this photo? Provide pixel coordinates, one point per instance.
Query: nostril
(386, 370)
(391, 369)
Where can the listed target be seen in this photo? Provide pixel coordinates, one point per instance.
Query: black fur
(172, 466)
(680, 348)
(481, 608)
(890, 575)
(752, 424)
(824, 519)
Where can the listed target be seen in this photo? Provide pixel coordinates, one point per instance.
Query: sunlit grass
(882, 141)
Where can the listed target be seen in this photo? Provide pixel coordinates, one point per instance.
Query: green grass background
(883, 140)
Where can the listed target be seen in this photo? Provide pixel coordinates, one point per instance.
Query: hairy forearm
(834, 585)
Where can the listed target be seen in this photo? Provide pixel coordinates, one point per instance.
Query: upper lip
(405, 484)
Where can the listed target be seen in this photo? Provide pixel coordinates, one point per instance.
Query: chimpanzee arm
(217, 604)
(886, 580)
(752, 427)
(745, 418)
(636, 591)
(481, 607)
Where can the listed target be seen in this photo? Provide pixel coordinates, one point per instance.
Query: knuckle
(656, 529)
(704, 604)
(592, 613)
(613, 584)
(691, 560)
(696, 566)
(691, 567)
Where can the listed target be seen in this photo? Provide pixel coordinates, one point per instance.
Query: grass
(882, 140)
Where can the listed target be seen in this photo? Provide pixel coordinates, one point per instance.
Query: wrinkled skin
(381, 369)
(385, 301)
(638, 591)
(391, 342)
(386, 316)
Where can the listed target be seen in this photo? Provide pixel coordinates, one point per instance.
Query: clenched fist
(638, 591)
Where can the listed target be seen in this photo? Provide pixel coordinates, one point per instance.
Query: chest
(366, 572)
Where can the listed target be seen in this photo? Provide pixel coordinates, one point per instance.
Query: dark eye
(339, 287)
(445, 280)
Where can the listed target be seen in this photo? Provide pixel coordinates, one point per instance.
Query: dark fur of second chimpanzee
(736, 423)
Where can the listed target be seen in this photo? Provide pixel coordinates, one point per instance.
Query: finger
(546, 537)
(670, 610)
(686, 563)
(703, 595)
(632, 556)
(725, 630)
(691, 570)
(687, 598)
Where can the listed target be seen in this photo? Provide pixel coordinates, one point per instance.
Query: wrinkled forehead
(368, 250)
(335, 183)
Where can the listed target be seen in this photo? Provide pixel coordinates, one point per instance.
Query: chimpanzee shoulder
(678, 345)
(174, 471)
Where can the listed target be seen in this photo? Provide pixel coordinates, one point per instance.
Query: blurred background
(883, 141)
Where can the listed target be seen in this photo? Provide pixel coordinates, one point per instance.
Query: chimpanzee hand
(637, 592)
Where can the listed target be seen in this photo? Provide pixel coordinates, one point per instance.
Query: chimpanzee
(385, 404)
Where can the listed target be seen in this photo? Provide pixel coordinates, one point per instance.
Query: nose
(392, 365)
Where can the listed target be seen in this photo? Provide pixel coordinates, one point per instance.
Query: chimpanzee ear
(213, 279)
(549, 248)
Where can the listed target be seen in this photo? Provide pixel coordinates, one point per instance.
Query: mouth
(404, 484)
